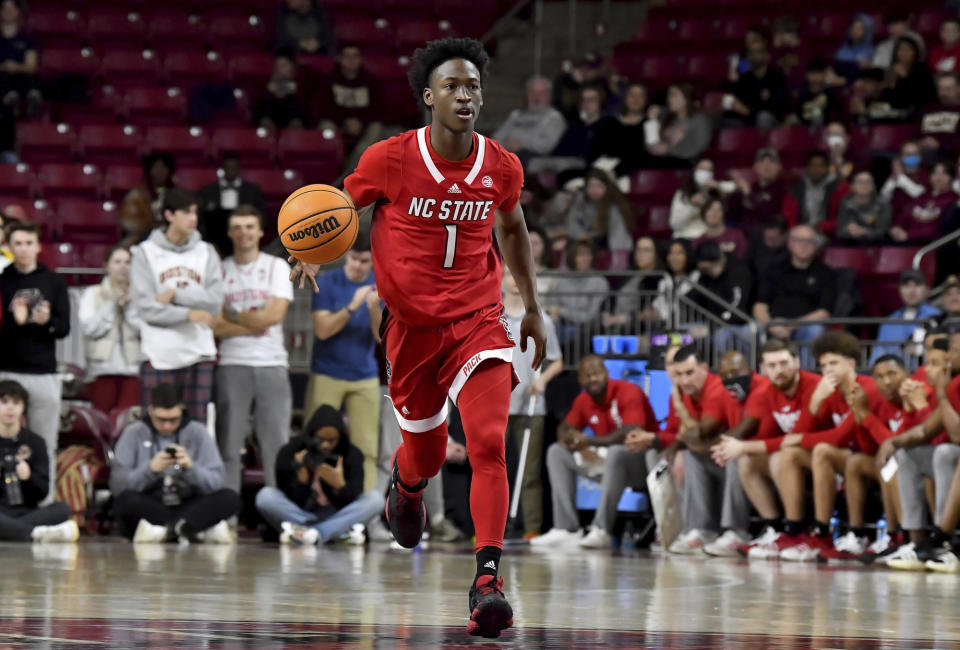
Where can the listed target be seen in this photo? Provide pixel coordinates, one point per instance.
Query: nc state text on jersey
(452, 210)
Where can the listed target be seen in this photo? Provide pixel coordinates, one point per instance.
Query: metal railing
(934, 245)
(715, 334)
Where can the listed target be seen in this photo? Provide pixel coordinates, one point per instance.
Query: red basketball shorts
(426, 365)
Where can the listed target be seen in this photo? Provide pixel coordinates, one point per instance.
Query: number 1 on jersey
(451, 251)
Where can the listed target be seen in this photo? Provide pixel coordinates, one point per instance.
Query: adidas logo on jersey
(454, 189)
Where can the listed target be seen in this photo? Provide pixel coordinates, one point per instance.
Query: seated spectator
(788, 51)
(140, 211)
(864, 214)
(940, 124)
(220, 198)
(685, 208)
(725, 276)
(19, 60)
(756, 202)
(732, 241)
(26, 478)
(817, 103)
(303, 25)
(682, 133)
(836, 142)
(682, 269)
(6, 256)
(167, 477)
(907, 180)
(871, 100)
(909, 82)
(922, 219)
(739, 63)
(769, 249)
(802, 288)
(898, 26)
(282, 105)
(600, 213)
(946, 56)
(815, 198)
(577, 140)
(320, 476)
(622, 137)
(111, 333)
(857, 50)
(760, 97)
(913, 293)
(536, 129)
(949, 301)
(578, 296)
(623, 425)
(542, 258)
(634, 302)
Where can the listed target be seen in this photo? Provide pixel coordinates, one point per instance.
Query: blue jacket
(900, 331)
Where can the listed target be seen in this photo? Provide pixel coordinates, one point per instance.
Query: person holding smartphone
(319, 494)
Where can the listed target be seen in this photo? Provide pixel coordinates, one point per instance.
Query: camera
(11, 482)
(316, 456)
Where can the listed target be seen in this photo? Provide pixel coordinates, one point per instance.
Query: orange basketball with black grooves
(318, 224)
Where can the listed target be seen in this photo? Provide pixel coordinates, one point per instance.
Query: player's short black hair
(890, 358)
(166, 396)
(14, 390)
(843, 343)
(687, 352)
(436, 53)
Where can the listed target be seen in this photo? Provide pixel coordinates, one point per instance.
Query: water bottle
(882, 529)
(628, 541)
(835, 527)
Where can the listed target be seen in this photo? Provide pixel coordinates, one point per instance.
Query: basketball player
(436, 194)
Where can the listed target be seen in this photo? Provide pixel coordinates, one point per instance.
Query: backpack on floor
(665, 503)
(77, 466)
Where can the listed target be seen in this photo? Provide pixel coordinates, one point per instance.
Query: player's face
(358, 265)
(781, 368)
(454, 95)
(328, 438)
(25, 248)
(691, 375)
(11, 410)
(838, 366)
(593, 377)
(888, 376)
(165, 420)
(245, 232)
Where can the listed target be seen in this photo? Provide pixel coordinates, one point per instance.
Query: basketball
(317, 224)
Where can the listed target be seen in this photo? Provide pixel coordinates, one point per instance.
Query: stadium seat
(57, 26)
(170, 28)
(794, 143)
(250, 70)
(126, 68)
(928, 21)
(253, 147)
(693, 32)
(414, 33)
(705, 69)
(44, 142)
(889, 137)
(320, 65)
(658, 222)
(192, 67)
(119, 180)
(93, 255)
(237, 33)
(88, 221)
(189, 145)
(316, 154)
(70, 181)
(56, 255)
(38, 211)
(852, 257)
(102, 107)
(893, 260)
(628, 59)
(17, 180)
(737, 147)
(276, 186)
(110, 29)
(366, 33)
(654, 184)
(156, 106)
(194, 178)
(831, 27)
(109, 144)
(80, 61)
(661, 71)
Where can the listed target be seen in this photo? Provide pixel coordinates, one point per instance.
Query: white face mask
(702, 176)
(835, 141)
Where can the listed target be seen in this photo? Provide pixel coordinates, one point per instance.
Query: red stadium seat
(654, 184)
(162, 106)
(189, 145)
(385, 66)
(628, 59)
(414, 33)
(316, 154)
(250, 70)
(121, 179)
(175, 28)
(45, 142)
(126, 68)
(17, 180)
(794, 143)
(63, 27)
(39, 211)
(889, 137)
(831, 26)
(110, 29)
(89, 221)
(693, 32)
(893, 260)
(658, 222)
(858, 259)
(189, 68)
(706, 69)
(70, 181)
(737, 146)
(69, 61)
(276, 184)
(55, 255)
(195, 178)
(237, 33)
(101, 109)
(93, 255)
(320, 65)
(366, 33)
(602, 260)
(661, 71)
(109, 144)
(253, 147)
(928, 21)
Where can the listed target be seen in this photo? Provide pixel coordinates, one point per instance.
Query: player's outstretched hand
(302, 271)
(532, 326)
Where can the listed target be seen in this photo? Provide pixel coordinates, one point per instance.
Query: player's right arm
(305, 270)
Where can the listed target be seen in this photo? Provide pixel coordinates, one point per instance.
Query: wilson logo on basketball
(328, 225)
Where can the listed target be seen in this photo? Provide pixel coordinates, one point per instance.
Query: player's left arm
(515, 247)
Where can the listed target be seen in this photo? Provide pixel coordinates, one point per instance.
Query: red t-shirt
(432, 232)
(623, 404)
(888, 419)
(920, 374)
(715, 401)
(777, 412)
(835, 424)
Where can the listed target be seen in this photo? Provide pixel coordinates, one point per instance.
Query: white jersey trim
(504, 354)
(478, 164)
(424, 425)
(432, 167)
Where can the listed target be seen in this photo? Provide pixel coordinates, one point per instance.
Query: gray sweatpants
(43, 414)
(937, 462)
(622, 469)
(713, 497)
(265, 391)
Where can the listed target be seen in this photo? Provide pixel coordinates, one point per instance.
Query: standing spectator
(344, 373)
(864, 214)
(913, 293)
(111, 333)
(22, 518)
(940, 124)
(578, 296)
(727, 277)
(535, 129)
(19, 59)
(818, 103)
(621, 137)
(682, 268)
(898, 26)
(683, 133)
(319, 492)
(36, 312)
(533, 385)
(756, 202)
(177, 287)
(685, 207)
(220, 198)
(252, 369)
(909, 82)
(634, 303)
(946, 56)
(141, 211)
(815, 198)
(907, 181)
(760, 97)
(601, 214)
(282, 105)
(803, 288)
(304, 26)
(857, 50)
(167, 477)
(922, 219)
(732, 241)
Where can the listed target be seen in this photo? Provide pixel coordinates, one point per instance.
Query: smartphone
(171, 451)
(332, 460)
(31, 296)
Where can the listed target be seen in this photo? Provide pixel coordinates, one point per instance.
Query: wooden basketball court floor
(108, 594)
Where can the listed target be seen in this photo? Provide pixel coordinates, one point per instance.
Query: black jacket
(30, 447)
(31, 348)
(735, 285)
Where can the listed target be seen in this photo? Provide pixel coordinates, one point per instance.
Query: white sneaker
(596, 538)
(296, 534)
(945, 561)
(765, 546)
(879, 545)
(148, 533)
(691, 542)
(726, 545)
(66, 533)
(905, 558)
(555, 537)
(851, 544)
(219, 533)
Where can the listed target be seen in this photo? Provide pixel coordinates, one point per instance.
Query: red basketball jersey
(432, 233)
